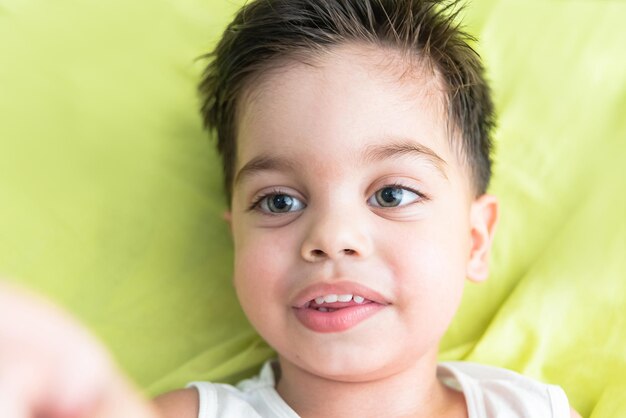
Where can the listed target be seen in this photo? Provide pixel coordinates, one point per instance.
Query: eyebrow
(371, 154)
(263, 163)
(404, 147)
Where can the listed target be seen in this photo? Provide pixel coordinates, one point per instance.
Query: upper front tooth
(338, 298)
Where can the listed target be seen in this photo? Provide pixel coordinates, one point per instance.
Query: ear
(228, 217)
(484, 215)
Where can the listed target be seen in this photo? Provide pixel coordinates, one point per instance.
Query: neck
(412, 392)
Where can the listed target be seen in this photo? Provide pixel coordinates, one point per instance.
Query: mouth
(328, 309)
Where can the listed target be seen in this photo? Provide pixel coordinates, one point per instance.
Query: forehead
(348, 98)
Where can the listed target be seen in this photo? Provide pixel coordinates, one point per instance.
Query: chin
(343, 362)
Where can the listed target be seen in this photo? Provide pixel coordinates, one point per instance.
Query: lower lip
(336, 321)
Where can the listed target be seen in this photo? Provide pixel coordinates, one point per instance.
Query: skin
(314, 129)
(320, 125)
(52, 367)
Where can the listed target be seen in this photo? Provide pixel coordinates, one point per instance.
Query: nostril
(317, 254)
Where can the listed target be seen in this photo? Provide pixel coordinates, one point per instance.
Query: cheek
(260, 266)
(426, 253)
(430, 266)
(429, 271)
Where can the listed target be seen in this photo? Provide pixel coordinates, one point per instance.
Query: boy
(355, 137)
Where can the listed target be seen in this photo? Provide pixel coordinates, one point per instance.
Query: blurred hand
(51, 367)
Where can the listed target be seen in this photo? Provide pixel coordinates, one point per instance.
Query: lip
(337, 288)
(340, 320)
(346, 315)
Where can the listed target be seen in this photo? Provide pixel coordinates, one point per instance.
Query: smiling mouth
(336, 313)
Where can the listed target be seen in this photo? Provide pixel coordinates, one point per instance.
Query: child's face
(349, 186)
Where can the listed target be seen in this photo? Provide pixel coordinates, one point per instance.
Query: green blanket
(110, 196)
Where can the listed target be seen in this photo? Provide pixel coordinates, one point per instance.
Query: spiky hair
(265, 33)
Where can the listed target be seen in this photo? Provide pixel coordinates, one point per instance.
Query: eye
(279, 203)
(393, 196)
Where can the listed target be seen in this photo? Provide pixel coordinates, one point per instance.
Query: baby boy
(356, 137)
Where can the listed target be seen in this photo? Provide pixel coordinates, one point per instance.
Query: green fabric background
(110, 195)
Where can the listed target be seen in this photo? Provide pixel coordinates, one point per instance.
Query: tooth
(319, 300)
(344, 298)
(322, 309)
(359, 299)
(306, 305)
(330, 298)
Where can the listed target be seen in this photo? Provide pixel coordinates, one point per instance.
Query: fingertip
(10, 407)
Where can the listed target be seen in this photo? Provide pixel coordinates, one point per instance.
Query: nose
(333, 236)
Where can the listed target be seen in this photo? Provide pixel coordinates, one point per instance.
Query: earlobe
(228, 217)
(483, 220)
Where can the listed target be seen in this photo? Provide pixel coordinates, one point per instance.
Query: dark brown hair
(265, 33)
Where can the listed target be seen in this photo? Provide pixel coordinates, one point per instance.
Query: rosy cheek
(259, 265)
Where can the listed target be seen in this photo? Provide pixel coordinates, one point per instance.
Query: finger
(10, 406)
(123, 400)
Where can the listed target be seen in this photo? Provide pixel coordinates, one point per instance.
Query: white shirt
(490, 392)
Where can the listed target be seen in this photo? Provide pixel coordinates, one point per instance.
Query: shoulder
(468, 374)
(493, 390)
(573, 413)
(182, 403)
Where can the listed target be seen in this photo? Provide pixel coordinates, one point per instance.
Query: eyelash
(257, 201)
(399, 185)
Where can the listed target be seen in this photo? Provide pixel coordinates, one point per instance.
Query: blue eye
(280, 203)
(393, 196)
